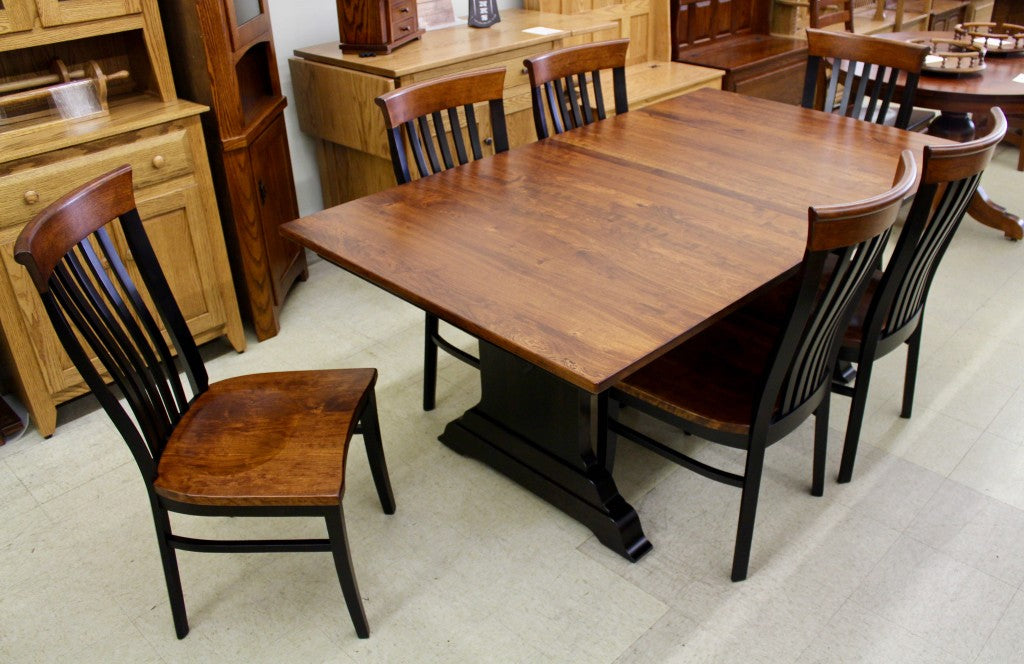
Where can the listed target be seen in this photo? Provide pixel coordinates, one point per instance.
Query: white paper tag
(1019, 78)
(542, 31)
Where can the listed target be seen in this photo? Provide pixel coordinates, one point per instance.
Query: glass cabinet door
(247, 20)
(60, 12)
(15, 16)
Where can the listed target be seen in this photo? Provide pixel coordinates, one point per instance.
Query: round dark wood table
(965, 101)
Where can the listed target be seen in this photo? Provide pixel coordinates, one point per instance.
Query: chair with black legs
(751, 378)
(562, 82)
(891, 313)
(432, 122)
(271, 444)
(835, 80)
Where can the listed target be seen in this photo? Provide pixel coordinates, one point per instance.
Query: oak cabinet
(43, 158)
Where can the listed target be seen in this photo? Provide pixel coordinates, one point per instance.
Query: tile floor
(918, 560)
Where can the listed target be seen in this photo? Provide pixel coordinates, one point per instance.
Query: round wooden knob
(488, 140)
(406, 28)
(31, 197)
(403, 10)
(158, 161)
(525, 70)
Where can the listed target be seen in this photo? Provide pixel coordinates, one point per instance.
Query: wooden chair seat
(714, 377)
(293, 455)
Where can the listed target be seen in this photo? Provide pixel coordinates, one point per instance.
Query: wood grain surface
(592, 253)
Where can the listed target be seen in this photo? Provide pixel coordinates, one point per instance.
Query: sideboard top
(437, 48)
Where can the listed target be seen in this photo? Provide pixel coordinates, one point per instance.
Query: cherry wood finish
(563, 82)
(734, 36)
(412, 108)
(377, 26)
(967, 100)
(751, 378)
(868, 97)
(578, 259)
(892, 312)
(261, 445)
(248, 144)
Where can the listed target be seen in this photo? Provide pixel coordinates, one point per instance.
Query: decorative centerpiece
(997, 38)
(949, 56)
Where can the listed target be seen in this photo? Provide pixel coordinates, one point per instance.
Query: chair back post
(415, 119)
(950, 176)
(559, 90)
(869, 69)
(850, 237)
(823, 13)
(90, 297)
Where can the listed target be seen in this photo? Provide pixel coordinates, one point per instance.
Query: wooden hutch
(247, 141)
(47, 46)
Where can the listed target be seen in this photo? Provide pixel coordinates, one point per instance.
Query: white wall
(299, 23)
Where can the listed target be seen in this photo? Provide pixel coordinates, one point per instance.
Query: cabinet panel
(15, 16)
(275, 191)
(60, 12)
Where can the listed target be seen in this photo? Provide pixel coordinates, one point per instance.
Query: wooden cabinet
(377, 25)
(247, 143)
(41, 159)
(334, 92)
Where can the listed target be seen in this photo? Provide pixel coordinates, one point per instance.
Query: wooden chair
(867, 97)
(559, 81)
(260, 445)
(892, 311)
(420, 111)
(754, 376)
(823, 13)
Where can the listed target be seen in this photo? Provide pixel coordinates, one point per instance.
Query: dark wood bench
(733, 35)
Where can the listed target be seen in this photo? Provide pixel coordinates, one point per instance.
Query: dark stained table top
(593, 252)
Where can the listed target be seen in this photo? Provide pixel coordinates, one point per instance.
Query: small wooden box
(378, 26)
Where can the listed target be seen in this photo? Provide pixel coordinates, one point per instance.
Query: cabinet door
(15, 16)
(275, 191)
(177, 229)
(247, 20)
(60, 12)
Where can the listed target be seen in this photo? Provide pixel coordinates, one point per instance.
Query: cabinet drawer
(401, 10)
(153, 159)
(402, 25)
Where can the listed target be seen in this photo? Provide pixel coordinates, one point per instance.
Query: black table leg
(543, 432)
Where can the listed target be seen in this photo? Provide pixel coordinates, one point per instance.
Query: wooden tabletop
(591, 253)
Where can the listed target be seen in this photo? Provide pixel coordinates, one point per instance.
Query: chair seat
(714, 378)
(272, 439)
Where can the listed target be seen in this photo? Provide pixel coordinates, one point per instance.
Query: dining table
(964, 100)
(577, 259)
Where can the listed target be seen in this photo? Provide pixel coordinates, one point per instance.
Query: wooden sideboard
(42, 158)
(334, 92)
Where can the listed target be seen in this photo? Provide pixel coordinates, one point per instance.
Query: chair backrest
(71, 252)
(421, 109)
(844, 243)
(949, 178)
(868, 70)
(559, 83)
(823, 13)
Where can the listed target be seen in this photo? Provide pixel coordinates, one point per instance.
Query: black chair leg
(820, 447)
(375, 453)
(910, 377)
(430, 363)
(171, 574)
(858, 403)
(748, 511)
(346, 576)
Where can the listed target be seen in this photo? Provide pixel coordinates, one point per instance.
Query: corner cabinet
(248, 144)
(43, 157)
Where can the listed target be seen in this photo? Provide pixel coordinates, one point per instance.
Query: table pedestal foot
(543, 432)
(990, 213)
